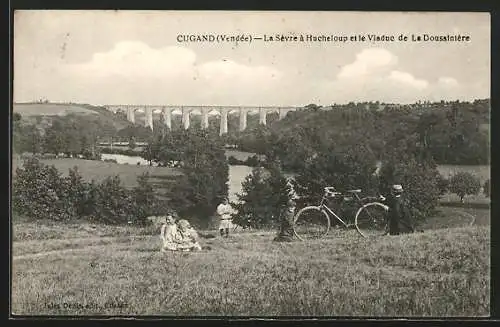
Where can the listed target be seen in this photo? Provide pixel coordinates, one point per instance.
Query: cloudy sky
(133, 57)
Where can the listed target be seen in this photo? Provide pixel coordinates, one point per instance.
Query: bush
(346, 169)
(487, 188)
(420, 183)
(113, 203)
(252, 161)
(125, 152)
(442, 184)
(146, 203)
(464, 183)
(40, 192)
(233, 161)
(76, 191)
(263, 199)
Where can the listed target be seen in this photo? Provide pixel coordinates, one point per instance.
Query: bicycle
(370, 220)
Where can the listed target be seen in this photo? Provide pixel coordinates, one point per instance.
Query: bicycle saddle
(354, 191)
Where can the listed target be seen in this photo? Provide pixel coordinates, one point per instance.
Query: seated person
(188, 237)
(169, 234)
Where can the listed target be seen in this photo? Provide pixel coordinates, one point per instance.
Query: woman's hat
(184, 223)
(397, 188)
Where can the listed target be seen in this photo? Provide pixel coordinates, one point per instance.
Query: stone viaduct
(223, 111)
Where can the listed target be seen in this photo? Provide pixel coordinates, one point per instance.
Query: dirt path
(84, 249)
(471, 220)
(60, 251)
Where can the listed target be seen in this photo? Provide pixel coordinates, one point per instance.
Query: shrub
(251, 208)
(420, 183)
(113, 203)
(442, 184)
(39, 192)
(264, 198)
(350, 168)
(464, 183)
(233, 161)
(252, 161)
(487, 188)
(146, 202)
(76, 191)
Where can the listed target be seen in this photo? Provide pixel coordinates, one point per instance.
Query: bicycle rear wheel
(311, 223)
(371, 220)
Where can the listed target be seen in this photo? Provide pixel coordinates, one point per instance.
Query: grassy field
(78, 268)
(49, 109)
(99, 170)
(83, 269)
(481, 171)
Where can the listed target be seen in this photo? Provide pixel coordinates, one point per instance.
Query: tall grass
(437, 273)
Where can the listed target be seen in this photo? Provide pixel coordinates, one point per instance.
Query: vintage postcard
(250, 164)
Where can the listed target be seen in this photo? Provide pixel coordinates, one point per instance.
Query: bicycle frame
(322, 205)
(330, 211)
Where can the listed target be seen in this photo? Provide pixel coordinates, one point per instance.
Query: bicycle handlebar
(331, 191)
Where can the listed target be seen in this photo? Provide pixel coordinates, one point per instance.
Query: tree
(54, 138)
(487, 188)
(464, 183)
(420, 183)
(145, 199)
(31, 139)
(280, 190)
(264, 198)
(345, 168)
(205, 172)
(251, 207)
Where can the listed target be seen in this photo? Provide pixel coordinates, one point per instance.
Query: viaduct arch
(223, 111)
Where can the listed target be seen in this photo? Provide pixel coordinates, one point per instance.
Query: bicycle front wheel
(311, 223)
(371, 220)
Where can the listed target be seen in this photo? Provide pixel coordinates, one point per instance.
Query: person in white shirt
(224, 210)
(169, 234)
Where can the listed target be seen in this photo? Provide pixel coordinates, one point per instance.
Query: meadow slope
(437, 273)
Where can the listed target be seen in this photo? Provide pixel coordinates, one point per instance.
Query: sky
(134, 57)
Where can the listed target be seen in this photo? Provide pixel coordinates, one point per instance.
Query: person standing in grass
(286, 229)
(188, 237)
(399, 217)
(169, 234)
(224, 210)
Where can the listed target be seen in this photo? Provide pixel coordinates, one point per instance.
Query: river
(238, 173)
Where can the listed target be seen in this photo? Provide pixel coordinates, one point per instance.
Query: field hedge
(41, 192)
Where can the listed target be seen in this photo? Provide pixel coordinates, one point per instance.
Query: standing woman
(400, 219)
(224, 210)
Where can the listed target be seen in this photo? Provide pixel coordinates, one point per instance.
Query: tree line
(451, 132)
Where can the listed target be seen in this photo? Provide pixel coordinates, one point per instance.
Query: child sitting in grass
(188, 237)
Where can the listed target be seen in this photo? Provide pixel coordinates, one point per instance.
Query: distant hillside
(50, 109)
(40, 113)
